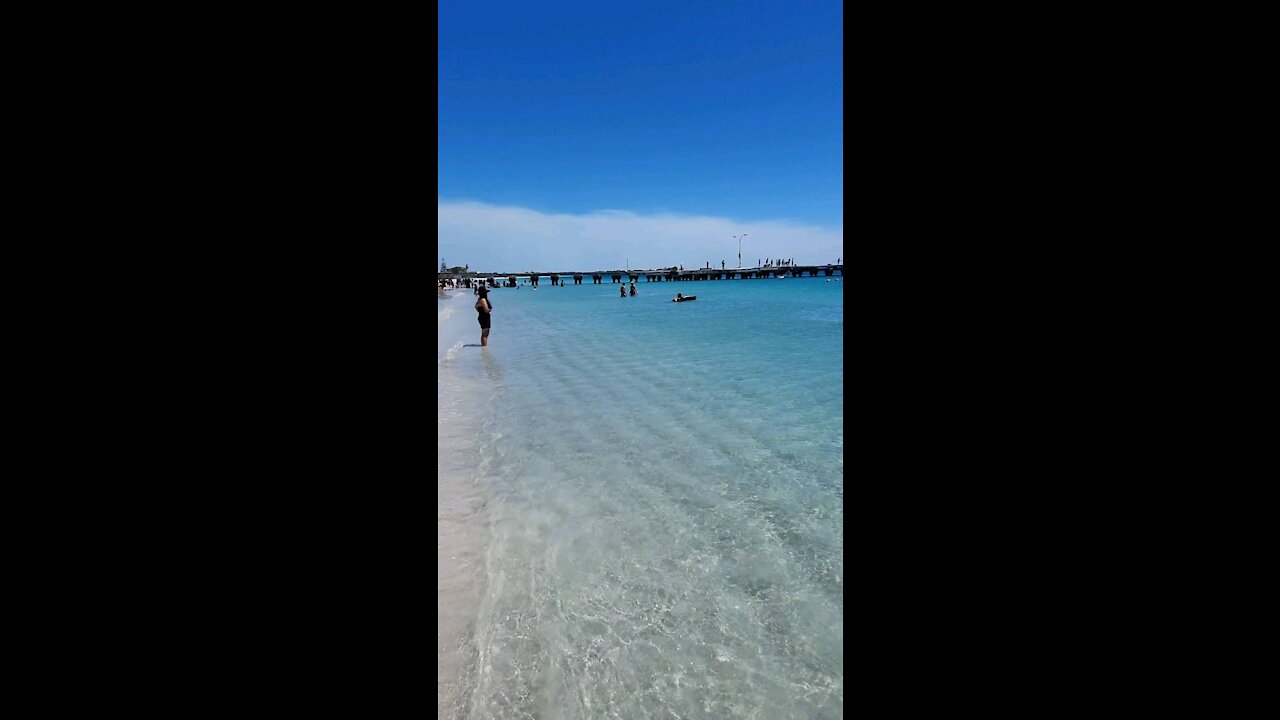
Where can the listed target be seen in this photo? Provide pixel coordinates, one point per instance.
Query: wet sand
(461, 514)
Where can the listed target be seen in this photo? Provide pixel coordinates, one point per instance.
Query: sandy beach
(460, 566)
(462, 519)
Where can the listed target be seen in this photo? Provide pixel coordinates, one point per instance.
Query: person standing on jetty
(483, 307)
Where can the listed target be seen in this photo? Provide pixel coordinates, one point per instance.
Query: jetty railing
(656, 275)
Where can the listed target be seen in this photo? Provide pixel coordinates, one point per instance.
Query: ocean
(641, 502)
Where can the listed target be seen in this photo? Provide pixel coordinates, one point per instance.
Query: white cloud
(493, 238)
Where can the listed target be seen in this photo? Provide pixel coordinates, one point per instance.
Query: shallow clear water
(641, 502)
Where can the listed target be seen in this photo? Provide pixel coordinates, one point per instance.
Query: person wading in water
(483, 307)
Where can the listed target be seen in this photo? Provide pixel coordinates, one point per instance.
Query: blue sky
(722, 113)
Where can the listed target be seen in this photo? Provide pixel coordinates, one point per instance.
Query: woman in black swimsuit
(483, 308)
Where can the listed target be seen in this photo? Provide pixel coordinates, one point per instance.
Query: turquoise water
(641, 502)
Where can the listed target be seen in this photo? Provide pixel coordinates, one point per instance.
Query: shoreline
(455, 324)
(464, 400)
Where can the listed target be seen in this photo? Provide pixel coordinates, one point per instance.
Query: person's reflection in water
(492, 368)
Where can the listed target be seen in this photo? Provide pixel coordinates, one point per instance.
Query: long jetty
(659, 275)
